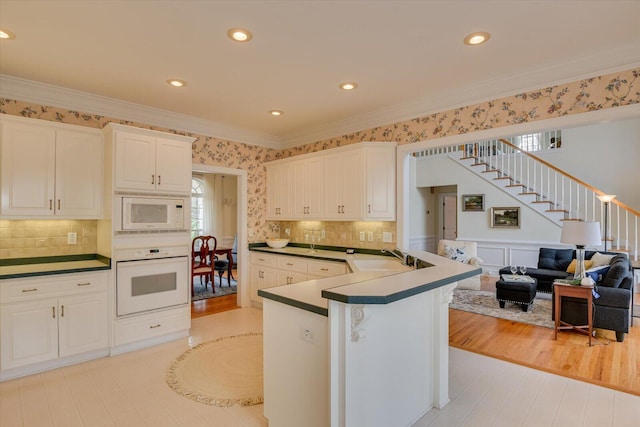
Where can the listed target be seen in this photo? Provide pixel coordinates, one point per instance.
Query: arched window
(197, 207)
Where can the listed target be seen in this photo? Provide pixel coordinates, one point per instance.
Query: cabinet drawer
(266, 260)
(140, 328)
(292, 263)
(30, 288)
(326, 268)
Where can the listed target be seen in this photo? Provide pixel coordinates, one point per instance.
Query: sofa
(613, 297)
(463, 251)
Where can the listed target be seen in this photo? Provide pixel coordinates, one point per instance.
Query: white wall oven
(151, 279)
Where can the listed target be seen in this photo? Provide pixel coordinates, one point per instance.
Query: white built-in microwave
(153, 213)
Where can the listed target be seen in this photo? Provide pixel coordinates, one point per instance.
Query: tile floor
(129, 390)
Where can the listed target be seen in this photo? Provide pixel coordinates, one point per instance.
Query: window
(197, 207)
(530, 142)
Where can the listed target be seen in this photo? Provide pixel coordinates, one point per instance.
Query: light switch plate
(387, 237)
(72, 238)
(370, 236)
(362, 236)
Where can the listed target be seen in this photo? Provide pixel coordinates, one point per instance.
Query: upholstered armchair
(466, 252)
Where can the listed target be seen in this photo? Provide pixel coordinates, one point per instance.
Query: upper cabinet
(351, 183)
(50, 169)
(279, 197)
(307, 189)
(150, 161)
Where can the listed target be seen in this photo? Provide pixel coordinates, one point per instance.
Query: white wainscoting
(495, 254)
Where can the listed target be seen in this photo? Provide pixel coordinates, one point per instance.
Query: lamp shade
(581, 233)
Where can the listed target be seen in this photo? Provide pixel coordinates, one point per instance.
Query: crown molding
(624, 58)
(57, 96)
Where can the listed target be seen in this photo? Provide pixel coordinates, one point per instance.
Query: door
(449, 216)
(28, 169)
(135, 162)
(82, 323)
(29, 333)
(173, 166)
(78, 174)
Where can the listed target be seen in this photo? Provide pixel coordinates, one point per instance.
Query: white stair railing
(550, 187)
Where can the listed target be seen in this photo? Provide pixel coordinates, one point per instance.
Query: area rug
(485, 303)
(222, 372)
(200, 292)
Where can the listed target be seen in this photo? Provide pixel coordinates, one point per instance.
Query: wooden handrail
(560, 171)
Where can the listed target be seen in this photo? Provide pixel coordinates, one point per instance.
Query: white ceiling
(407, 56)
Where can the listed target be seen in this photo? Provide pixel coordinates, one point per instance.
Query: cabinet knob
(30, 290)
(154, 326)
(50, 204)
(53, 312)
(58, 204)
(159, 179)
(84, 284)
(62, 311)
(153, 180)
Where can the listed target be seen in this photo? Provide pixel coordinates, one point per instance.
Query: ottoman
(521, 291)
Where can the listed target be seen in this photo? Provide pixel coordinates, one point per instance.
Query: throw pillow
(455, 253)
(572, 266)
(555, 259)
(601, 259)
(597, 273)
(618, 270)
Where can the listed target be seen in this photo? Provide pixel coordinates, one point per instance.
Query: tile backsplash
(38, 238)
(339, 233)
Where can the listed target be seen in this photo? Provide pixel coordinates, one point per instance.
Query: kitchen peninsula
(365, 348)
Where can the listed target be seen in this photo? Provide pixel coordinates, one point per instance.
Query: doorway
(233, 205)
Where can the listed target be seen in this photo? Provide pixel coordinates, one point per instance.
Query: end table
(577, 291)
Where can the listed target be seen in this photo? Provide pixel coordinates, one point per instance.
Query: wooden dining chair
(204, 261)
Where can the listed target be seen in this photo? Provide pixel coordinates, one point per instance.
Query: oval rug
(221, 372)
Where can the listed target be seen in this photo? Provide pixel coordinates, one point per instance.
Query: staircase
(544, 188)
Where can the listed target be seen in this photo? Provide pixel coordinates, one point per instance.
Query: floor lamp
(606, 199)
(581, 234)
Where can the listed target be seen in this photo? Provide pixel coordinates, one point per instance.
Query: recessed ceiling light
(474, 39)
(6, 34)
(177, 83)
(239, 34)
(348, 85)
(276, 112)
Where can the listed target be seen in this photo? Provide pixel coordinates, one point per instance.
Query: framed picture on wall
(473, 202)
(505, 217)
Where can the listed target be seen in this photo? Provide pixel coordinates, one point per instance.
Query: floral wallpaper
(608, 91)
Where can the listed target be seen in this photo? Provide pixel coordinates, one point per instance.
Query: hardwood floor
(209, 306)
(607, 363)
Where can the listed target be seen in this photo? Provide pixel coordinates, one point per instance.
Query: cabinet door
(314, 187)
(343, 185)
(82, 323)
(28, 169)
(29, 333)
(279, 185)
(381, 183)
(135, 167)
(261, 278)
(290, 277)
(307, 188)
(78, 174)
(173, 166)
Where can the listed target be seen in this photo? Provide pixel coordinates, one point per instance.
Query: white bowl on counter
(277, 243)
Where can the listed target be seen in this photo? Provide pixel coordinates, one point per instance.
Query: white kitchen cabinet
(262, 273)
(50, 169)
(352, 183)
(47, 318)
(380, 178)
(279, 183)
(308, 189)
(268, 270)
(149, 160)
(343, 185)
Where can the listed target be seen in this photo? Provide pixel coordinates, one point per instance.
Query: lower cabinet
(268, 270)
(45, 319)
